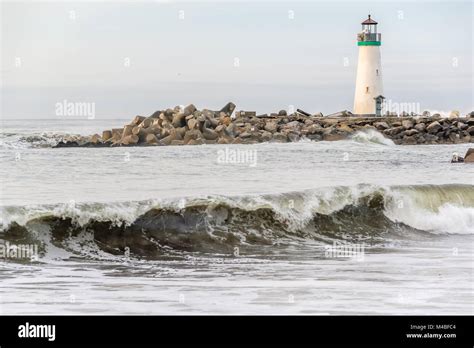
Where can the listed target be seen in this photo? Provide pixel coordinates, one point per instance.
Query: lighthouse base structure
(369, 80)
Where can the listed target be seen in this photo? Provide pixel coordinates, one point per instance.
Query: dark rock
(393, 131)
(381, 125)
(209, 134)
(189, 110)
(420, 127)
(228, 108)
(279, 137)
(469, 157)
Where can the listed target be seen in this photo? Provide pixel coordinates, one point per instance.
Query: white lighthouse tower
(369, 87)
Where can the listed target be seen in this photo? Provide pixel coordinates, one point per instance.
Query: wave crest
(371, 136)
(219, 223)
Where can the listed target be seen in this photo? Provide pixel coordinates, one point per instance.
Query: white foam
(371, 136)
(432, 210)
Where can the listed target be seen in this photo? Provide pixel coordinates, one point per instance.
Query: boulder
(212, 122)
(455, 138)
(195, 142)
(314, 129)
(228, 108)
(140, 132)
(230, 129)
(293, 125)
(177, 142)
(469, 158)
(189, 110)
(393, 131)
(180, 132)
(129, 140)
(328, 122)
(293, 137)
(266, 136)
(178, 120)
(117, 131)
(409, 140)
(147, 122)
(169, 138)
(271, 127)
(279, 137)
(420, 127)
(223, 140)
(209, 114)
(344, 128)
(433, 127)
(192, 134)
(282, 113)
(410, 132)
(470, 130)
(407, 124)
(156, 114)
(237, 141)
(106, 135)
(151, 139)
(127, 130)
(209, 134)
(192, 123)
(220, 128)
(381, 125)
(225, 120)
(96, 139)
(137, 120)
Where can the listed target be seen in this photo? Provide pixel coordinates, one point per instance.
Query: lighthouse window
(366, 89)
(377, 71)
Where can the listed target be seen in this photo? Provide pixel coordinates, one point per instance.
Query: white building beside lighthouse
(369, 87)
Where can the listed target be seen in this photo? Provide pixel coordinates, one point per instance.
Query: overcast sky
(302, 54)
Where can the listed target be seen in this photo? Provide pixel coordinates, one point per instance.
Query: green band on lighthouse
(369, 43)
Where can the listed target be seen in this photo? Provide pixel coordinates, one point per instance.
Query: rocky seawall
(189, 126)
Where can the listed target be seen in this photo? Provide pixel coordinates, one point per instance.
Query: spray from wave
(10, 140)
(371, 136)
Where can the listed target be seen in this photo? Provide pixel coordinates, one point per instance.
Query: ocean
(360, 226)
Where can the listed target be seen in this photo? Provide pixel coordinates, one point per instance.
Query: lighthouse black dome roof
(369, 21)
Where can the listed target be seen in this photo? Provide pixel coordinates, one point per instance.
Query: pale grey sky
(289, 53)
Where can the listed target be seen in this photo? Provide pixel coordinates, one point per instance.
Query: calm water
(177, 230)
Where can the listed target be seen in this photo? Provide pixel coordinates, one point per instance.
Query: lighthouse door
(378, 106)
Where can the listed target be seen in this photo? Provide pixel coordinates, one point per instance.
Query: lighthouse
(369, 87)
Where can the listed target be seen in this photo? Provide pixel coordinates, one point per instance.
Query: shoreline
(189, 126)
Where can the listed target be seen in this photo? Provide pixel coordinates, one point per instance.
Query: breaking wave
(216, 224)
(371, 136)
(12, 140)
